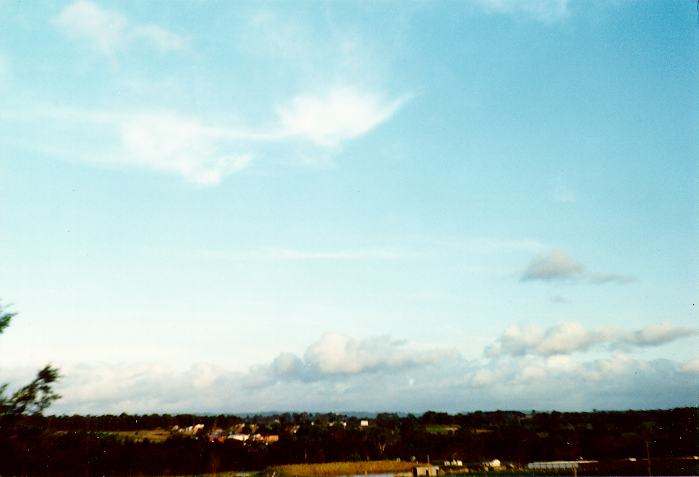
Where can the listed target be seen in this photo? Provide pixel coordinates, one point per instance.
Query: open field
(441, 429)
(345, 468)
(152, 435)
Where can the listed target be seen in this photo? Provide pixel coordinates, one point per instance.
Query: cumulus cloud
(340, 114)
(547, 11)
(558, 265)
(530, 382)
(571, 337)
(335, 370)
(108, 31)
(567, 337)
(335, 355)
(339, 354)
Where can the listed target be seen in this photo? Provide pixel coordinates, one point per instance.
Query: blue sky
(238, 206)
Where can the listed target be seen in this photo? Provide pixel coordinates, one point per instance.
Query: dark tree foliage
(33, 398)
(87, 445)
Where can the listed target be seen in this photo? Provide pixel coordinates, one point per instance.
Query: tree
(36, 396)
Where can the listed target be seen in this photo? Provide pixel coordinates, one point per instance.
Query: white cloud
(553, 382)
(562, 338)
(340, 114)
(161, 141)
(205, 153)
(558, 265)
(571, 337)
(170, 143)
(339, 354)
(104, 29)
(339, 372)
(546, 11)
(567, 337)
(517, 340)
(335, 356)
(554, 265)
(656, 335)
(108, 31)
(691, 366)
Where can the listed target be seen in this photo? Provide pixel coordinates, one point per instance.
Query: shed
(425, 471)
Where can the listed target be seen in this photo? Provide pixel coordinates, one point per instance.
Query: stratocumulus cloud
(559, 266)
(571, 337)
(340, 372)
(554, 265)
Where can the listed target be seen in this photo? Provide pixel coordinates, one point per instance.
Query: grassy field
(344, 468)
(153, 435)
(441, 429)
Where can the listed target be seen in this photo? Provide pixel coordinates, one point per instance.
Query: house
(363, 423)
(425, 470)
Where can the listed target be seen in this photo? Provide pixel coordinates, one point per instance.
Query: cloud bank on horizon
(526, 368)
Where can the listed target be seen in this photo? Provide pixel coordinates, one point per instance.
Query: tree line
(88, 445)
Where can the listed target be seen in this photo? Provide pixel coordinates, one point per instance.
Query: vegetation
(33, 398)
(152, 445)
(344, 468)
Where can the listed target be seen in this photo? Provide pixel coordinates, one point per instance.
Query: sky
(223, 206)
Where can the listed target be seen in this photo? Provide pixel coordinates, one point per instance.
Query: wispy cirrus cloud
(571, 337)
(108, 31)
(290, 254)
(546, 11)
(205, 152)
(558, 266)
(339, 114)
